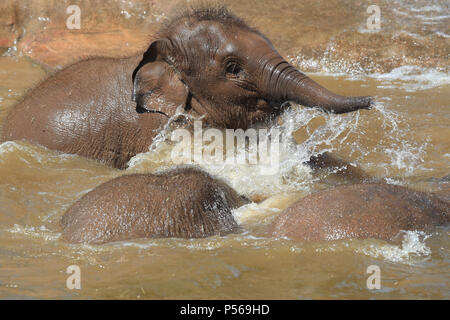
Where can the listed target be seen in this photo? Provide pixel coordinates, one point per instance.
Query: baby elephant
(206, 63)
(182, 203)
(361, 211)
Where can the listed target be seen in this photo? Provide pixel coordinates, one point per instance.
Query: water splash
(253, 211)
(42, 232)
(404, 154)
(412, 250)
(159, 150)
(412, 78)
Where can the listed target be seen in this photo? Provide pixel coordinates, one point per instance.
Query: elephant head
(211, 62)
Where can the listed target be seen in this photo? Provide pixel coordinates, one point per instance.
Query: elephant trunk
(288, 84)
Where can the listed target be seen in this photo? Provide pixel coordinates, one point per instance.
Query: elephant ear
(157, 87)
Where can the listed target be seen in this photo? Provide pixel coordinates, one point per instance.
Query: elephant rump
(182, 203)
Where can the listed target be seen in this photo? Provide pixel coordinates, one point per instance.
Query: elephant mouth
(141, 109)
(263, 109)
(280, 107)
(273, 108)
(140, 103)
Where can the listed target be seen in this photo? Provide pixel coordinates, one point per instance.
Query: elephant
(183, 203)
(188, 203)
(205, 62)
(372, 210)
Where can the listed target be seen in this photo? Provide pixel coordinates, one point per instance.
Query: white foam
(442, 34)
(36, 232)
(33, 154)
(249, 211)
(435, 8)
(412, 250)
(10, 146)
(414, 78)
(409, 78)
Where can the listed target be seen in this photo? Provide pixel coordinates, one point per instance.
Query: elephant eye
(233, 68)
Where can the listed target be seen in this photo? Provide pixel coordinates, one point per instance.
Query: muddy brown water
(404, 140)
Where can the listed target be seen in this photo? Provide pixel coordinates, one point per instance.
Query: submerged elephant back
(66, 97)
(184, 203)
(84, 109)
(361, 211)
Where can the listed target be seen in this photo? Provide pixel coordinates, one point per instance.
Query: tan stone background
(301, 30)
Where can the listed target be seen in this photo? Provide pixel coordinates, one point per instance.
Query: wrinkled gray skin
(361, 211)
(182, 203)
(207, 61)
